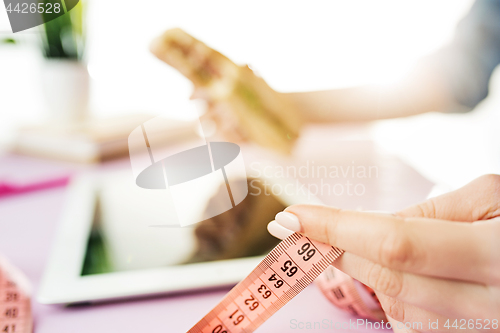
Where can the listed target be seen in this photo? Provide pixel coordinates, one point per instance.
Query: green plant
(8, 40)
(64, 37)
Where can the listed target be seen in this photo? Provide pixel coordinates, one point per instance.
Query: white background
(294, 45)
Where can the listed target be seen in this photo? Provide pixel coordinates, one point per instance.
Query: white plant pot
(66, 90)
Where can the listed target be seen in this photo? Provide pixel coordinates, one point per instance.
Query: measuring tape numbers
(290, 267)
(15, 306)
(349, 294)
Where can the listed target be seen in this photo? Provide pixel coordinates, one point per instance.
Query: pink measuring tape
(290, 267)
(15, 307)
(350, 295)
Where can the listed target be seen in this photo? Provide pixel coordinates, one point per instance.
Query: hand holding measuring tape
(437, 261)
(436, 264)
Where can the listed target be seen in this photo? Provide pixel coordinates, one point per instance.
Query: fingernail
(289, 221)
(278, 231)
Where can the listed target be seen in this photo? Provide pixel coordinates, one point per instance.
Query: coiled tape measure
(350, 295)
(15, 306)
(290, 267)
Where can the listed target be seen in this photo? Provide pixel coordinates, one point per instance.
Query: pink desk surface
(28, 223)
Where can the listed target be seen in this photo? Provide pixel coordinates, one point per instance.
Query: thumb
(311, 220)
(342, 228)
(478, 200)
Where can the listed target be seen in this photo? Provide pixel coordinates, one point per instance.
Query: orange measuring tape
(290, 267)
(349, 294)
(15, 307)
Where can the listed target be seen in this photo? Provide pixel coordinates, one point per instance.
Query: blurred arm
(454, 78)
(419, 93)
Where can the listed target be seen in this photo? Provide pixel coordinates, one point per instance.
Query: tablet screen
(137, 228)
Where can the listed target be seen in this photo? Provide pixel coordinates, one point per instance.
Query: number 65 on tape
(284, 272)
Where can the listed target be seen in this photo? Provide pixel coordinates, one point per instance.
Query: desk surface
(28, 223)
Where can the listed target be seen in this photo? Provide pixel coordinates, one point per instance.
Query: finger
(403, 312)
(449, 298)
(423, 246)
(408, 318)
(194, 59)
(478, 200)
(278, 231)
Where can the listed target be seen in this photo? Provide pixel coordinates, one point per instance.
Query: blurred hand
(228, 111)
(436, 261)
(241, 103)
(251, 111)
(220, 115)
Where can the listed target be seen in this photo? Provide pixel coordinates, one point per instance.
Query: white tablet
(117, 240)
